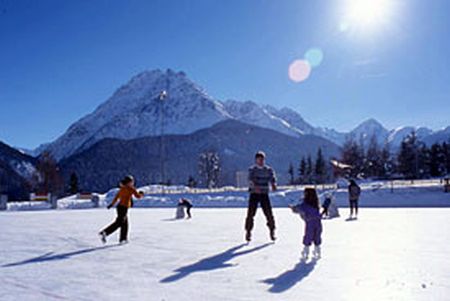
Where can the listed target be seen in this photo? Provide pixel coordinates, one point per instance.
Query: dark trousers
(253, 202)
(120, 222)
(354, 207)
(188, 211)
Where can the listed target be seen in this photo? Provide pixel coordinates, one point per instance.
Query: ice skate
(248, 236)
(103, 237)
(305, 253)
(272, 235)
(317, 252)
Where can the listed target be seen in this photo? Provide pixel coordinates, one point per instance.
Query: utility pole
(162, 97)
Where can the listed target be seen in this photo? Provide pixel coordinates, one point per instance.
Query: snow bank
(374, 194)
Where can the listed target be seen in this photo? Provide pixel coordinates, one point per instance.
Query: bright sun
(366, 14)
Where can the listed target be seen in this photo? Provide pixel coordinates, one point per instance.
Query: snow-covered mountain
(396, 136)
(16, 171)
(253, 113)
(100, 165)
(134, 111)
(369, 128)
(438, 136)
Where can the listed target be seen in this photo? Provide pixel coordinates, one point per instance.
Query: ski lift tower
(162, 99)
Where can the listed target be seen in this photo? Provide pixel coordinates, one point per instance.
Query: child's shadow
(51, 256)
(172, 219)
(218, 261)
(288, 279)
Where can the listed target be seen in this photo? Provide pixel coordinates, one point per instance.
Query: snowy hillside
(252, 113)
(388, 254)
(134, 111)
(397, 135)
(438, 136)
(235, 143)
(369, 128)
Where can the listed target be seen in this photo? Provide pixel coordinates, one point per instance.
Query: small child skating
(329, 208)
(309, 212)
(185, 203)
(125, 198)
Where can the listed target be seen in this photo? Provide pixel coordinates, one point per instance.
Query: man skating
(260, 176)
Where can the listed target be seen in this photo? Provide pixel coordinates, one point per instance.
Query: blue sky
(60, 59)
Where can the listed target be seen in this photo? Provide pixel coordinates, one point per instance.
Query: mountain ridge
(134, 110)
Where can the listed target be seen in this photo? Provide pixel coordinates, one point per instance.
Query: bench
(40, 197)
(94, 198)
(44, 197)
(84, 196)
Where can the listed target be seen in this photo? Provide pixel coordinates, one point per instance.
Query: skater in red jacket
(125, 199)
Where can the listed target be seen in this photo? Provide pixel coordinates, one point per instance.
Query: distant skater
(329, 207)
(309, 211)
(124, 196)
(260, 176)
(184, 204)
(354, 191)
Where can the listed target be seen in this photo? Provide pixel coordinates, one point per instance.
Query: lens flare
(299, 70)
(314, 56)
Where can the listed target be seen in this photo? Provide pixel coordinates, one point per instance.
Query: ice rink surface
(387, 254)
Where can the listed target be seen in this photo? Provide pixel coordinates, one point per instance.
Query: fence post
(3, 201)
(53, 201)
(95, 200)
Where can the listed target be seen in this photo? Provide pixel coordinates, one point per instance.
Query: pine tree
(353, 155)
(302, 171)
(436, 160)
(291, 174)
(424, 160)
(446, 155)
(191, 182)
(73, 185)
(209, 168)
(309, 170)
(47, 178)
(320, 168)
(409, 158)
(386, 162)
(373, 165)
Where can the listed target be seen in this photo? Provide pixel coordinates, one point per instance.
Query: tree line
(413, 160)
(310, 170)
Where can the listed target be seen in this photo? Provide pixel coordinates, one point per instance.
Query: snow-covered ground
(388, 254)
(374, 194)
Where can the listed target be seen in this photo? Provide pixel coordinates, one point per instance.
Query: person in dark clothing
(260, 176)
(326, 204)
(124, 196)
(187, 204)
(354, 191)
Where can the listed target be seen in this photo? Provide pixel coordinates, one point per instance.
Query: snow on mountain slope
(293, 118)
(135, 111)
(397, 135)
(368, 129)
(438, 136)
(252, 113)
(18, 161)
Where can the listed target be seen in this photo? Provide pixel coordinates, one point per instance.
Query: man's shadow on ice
(288, 279)
(51, 256)
(215, 262)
